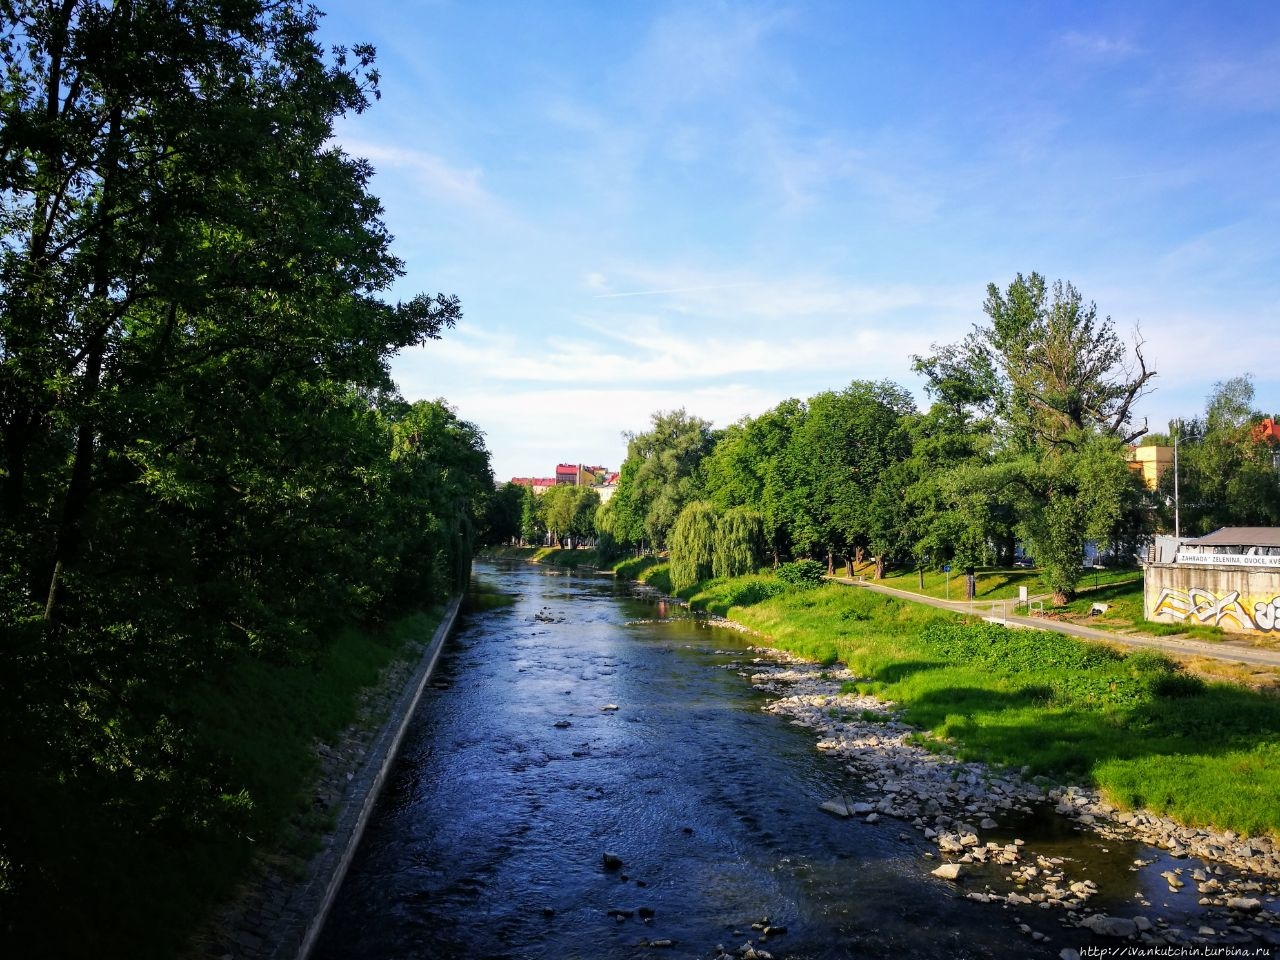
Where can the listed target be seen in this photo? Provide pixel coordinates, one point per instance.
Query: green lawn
(992, 583)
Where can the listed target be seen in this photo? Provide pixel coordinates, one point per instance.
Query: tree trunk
(76, 503)
(831, 564)
(880, 567)
(970, 583)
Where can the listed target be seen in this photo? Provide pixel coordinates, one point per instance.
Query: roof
(1267, 430)
(1240, 537)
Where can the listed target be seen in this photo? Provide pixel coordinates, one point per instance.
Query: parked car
(1026, 563)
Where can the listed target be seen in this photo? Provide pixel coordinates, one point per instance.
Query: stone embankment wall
(279, 914)
(1236, 598)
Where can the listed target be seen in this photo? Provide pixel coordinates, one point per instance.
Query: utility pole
(1177, 519)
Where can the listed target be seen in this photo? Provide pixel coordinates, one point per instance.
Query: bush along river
(595, 773)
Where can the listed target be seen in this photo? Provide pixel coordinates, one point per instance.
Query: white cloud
(432, 175)
(1243, 83)
(1098, 47)
(532, 431)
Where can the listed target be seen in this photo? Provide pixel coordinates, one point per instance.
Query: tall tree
(693, 544)
(202, 456)
(662, 473)
(835, 461)
(1226, 472)
(1055, 382)
(748, 468)
(1063, 369)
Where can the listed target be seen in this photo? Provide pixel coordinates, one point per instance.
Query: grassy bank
(1137, 726)
(551, 556)
(244, 736)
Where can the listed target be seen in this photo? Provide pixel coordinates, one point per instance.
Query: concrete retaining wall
(1236, 598)
(381, 756)
(279, 915)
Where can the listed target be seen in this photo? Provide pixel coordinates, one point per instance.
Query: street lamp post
(1177, 519)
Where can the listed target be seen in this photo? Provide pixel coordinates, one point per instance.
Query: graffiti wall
(1239, 600)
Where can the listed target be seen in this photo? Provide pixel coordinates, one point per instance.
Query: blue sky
(717, 206)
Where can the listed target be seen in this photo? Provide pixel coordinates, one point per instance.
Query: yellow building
(1151, 462)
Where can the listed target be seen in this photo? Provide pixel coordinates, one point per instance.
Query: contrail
(658, 293)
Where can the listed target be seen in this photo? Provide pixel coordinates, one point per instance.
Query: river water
(517, 776)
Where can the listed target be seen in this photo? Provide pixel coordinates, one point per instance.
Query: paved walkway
(1235, 651)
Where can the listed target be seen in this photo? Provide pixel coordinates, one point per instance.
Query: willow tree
(662, 473)
(693, 545)
(738, 540)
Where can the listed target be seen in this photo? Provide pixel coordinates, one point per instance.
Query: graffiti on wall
(1204, 606)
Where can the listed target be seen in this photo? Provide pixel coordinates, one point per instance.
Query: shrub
(747, 592)
(801, 573)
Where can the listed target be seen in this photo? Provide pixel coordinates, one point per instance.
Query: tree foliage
(204, 458)
(569, 512)
(738, 538)
(693, 545)
(1025, 441)
(1227, 473)
(661, 474)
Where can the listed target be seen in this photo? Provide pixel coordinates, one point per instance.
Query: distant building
(1267, 430)
(609, 487)
(1151, 462)
(572, 475)
(539, 485)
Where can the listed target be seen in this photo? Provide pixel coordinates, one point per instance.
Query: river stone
(835, 806)
(1244, 904)
(1106, 926)
(611, 861)
(948, 871)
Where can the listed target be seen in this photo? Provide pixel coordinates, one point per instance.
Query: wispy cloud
(1248, 83)
(432, 175)
(695, 53)
(668, 292)
(1096, 46)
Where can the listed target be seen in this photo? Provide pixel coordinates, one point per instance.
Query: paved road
(1234, 651)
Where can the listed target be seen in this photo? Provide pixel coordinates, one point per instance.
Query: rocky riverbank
(954, 805)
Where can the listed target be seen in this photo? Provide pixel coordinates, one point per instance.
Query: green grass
(633, 567)
(1135, 725)
(552, 556)
(992, 583)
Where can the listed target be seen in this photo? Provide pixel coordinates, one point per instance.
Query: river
(588, 718)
